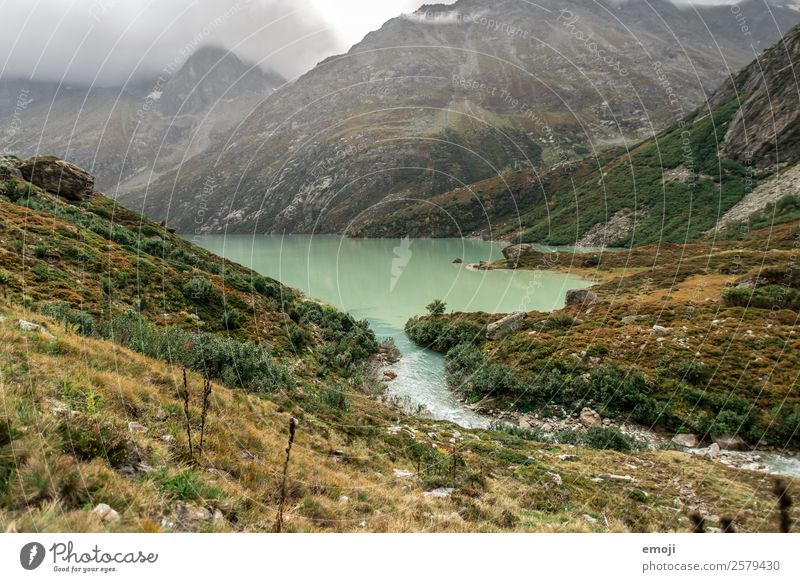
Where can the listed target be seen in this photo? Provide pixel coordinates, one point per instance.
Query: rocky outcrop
(766, 128)
(58, 177)
(730, 442)
(590, 418)
(515, 252)
(509, 324)
(580, 297)
(618, 226)
(689, 441)
(784, 182)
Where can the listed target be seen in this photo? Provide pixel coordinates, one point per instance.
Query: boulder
(712, 452)
(403, 474)
(580, 297)
(508, 324)
(105, 513)
(730, 442)
(686, 440)
(660, 329)
(136, 427)
(514, 252)
(32, 327)
(10, 166)
(458, 260)
(589, 418)
(58, 177)
(440, 493)
(616, 478)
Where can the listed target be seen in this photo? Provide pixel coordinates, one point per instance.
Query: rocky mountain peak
(211, 73)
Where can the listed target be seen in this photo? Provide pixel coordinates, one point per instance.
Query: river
(387, 281)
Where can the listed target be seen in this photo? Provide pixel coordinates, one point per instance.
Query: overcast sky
(109, 41)
(106, 41)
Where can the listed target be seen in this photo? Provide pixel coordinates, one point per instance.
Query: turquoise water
(387, 281)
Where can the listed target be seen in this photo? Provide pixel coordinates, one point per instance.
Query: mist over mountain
(452, 94)
(126, 135)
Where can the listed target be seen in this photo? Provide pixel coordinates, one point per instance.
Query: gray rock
(58, 177)
(632, 319)
(105, 513)
(403, 474)
(730, 442)
(458, 260)
(514, 252)
(136, 427)
(556, 478)
(580, 297)
(712, 452)
(589, 418)
(439, 493)
(686, 440)
(32, 327)
(660, 329)
(509, 324)
(188, 513)
(616, 478)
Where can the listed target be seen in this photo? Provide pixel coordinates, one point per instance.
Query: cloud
(109, 41)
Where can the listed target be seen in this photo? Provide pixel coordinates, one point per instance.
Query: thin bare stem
(184, 394)
(204, 411)
(278, 528)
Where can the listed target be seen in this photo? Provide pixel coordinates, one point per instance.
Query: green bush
(198, 289)
(231, 319)
(436, 307)
(79, 321)
(267, 287)
(239, 364)
(186, 486)
(89, 438)
(608, 438)
(785, 430)
(335, 398)
(347, 340)
(690, 370)
(442, 335)
(767, 297)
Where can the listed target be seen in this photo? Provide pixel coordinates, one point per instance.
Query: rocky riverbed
(727, 450)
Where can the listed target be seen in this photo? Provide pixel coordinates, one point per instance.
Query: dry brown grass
(341, 476)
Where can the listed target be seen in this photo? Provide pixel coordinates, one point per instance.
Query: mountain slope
(672, 188)
(126, 135)
(450, 95)
(103, 313)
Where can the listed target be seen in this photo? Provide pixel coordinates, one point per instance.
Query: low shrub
(335, 398)
(186, 486)
(198, 289)
(767, 297)
(231, 319)
(89, 438)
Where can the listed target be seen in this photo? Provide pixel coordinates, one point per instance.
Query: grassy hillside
(68, 446)
(684, 338)
(102, 316)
